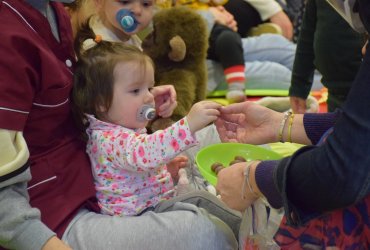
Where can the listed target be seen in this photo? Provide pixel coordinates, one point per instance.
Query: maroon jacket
(36, 82)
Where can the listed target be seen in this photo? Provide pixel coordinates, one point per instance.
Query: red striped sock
(235, 74)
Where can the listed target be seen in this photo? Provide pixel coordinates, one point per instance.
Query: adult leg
(260, 75)
(268, 63)
(188, 228)
(269, 48)
(226, 47)
(209, 202)
(267, 75)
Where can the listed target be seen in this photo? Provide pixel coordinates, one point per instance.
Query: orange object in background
(321, 96)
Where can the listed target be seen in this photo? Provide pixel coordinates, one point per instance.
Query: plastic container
(225, 153)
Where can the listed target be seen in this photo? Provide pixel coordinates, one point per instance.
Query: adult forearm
(305, 129)
(318, 181)
(308, 129)
(294, 130)
(335, 174)
(316, 124)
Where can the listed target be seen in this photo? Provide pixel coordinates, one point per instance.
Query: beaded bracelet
(246, 181)
(287, 114)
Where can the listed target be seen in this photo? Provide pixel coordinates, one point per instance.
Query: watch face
(349, 10)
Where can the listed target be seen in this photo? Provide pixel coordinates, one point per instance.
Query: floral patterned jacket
(129, 165)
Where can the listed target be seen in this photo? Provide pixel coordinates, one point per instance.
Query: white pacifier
(146, 113)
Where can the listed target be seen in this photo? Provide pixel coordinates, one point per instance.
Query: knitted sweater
(330, 176)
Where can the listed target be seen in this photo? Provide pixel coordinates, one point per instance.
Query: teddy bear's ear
(178, 49)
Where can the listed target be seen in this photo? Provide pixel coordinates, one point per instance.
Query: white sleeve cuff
(266, 8)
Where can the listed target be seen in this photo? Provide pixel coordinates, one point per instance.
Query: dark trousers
(244, 14)
(225, 46)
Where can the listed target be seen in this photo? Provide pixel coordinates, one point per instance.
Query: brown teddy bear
(178, 46)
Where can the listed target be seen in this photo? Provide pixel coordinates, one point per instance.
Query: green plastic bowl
(225, 153)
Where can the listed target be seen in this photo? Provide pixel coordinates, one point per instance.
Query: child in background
(108, 23)
(330, 45)
(262, 62)
(113, 100)
(267, 60)
(225, 47)
(256, 17)
(122, 20)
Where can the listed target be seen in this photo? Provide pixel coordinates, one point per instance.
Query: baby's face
(142, 10)
(131, 91)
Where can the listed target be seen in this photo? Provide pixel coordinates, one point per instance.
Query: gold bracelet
(290, 128)
(287, 114)
(246, 182)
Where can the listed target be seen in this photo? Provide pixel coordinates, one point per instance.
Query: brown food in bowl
(237, 159)
(233, 162)
(216, 167)
(240, 158)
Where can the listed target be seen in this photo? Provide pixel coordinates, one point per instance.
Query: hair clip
(98, 38)
(90, 43)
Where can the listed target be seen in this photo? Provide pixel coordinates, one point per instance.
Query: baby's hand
(165, 100)
(175, 164)
(202, 114)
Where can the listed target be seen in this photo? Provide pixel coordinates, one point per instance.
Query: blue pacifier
(146, 113)
(127, 20)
